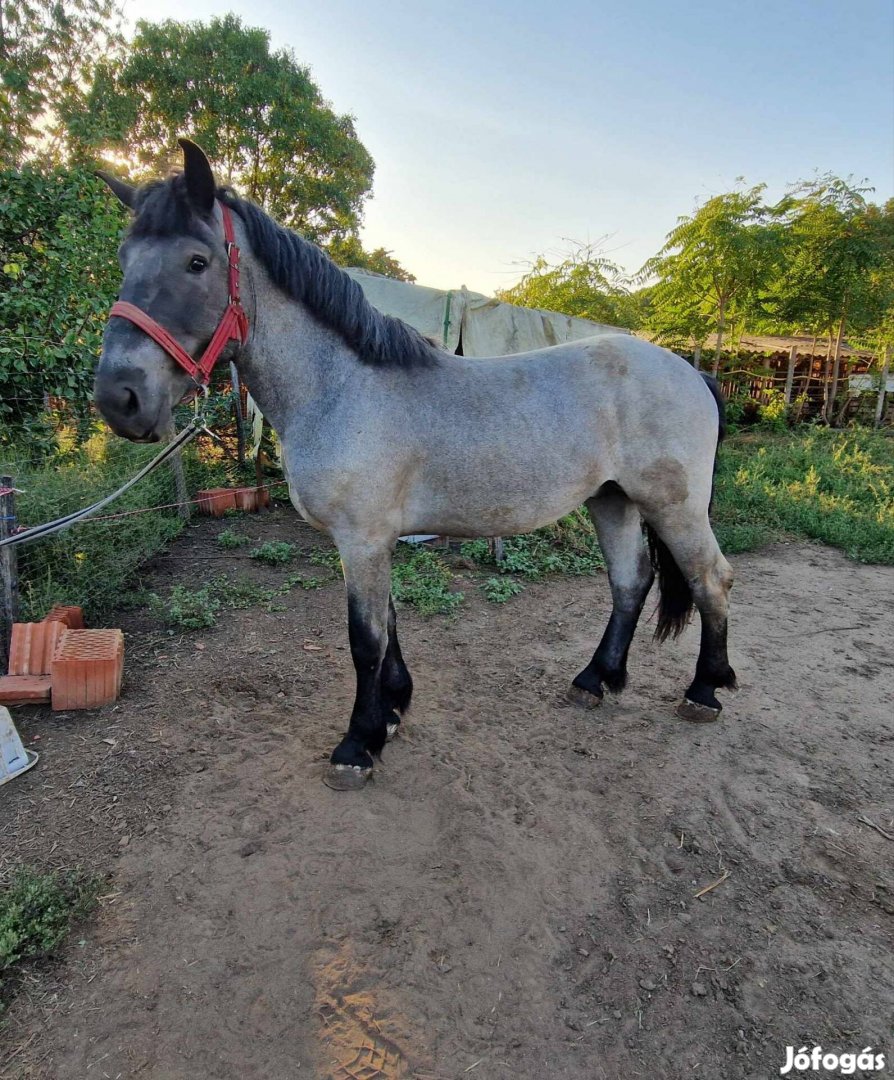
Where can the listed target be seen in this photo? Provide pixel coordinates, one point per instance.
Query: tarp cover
(489, 327)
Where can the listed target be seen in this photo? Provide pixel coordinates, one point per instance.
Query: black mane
(298, 267)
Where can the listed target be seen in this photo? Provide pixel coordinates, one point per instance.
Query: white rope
(39, 531)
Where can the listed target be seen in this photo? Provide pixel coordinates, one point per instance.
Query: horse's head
(175, 266)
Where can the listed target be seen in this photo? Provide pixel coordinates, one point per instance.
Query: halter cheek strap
(233, 325)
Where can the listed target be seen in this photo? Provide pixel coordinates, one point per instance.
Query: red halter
(233, 325)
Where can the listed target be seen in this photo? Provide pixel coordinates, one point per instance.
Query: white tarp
(871, 381)
(489, 327)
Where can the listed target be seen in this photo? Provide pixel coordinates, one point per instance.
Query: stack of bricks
(58, 660)
(216, 501)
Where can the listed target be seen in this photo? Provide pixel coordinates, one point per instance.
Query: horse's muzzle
(127, 407)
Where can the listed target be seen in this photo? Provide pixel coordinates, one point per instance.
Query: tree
(834, 277)
(584, 284)
(59, 275)
(713, 267)
(46, 51)
(349, 251)
(258, 115)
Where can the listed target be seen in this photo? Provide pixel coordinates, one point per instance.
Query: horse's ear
(200, 184)
(124, 191)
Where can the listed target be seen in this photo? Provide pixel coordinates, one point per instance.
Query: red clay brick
(72, 616)
(247, 499)
(24, 689)
(216, 501)
(87, 669)
(32, 646)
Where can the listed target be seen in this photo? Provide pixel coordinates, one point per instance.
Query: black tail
(674, 594)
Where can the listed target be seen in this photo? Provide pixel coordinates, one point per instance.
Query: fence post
(9, 577)
(880, 404)
(240, 419)
(183, 507)
(790, 374)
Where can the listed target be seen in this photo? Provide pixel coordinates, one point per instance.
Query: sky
(502, 129)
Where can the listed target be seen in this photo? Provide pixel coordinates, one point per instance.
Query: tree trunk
(827, 369)
(720, 317)
(880, 404)
(9, 578)
(833, 390)
(697, 358)
(790, 374)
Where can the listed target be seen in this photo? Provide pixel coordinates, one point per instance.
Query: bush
(36, 911)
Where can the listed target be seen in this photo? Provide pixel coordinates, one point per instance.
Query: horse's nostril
(131, 402)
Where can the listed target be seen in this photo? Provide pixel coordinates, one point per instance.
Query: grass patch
(832, 486)
(569, 546)
(230, 540)
(274, 552)
(93, 562)
(36, 912)
(500, 589)
(419, 577)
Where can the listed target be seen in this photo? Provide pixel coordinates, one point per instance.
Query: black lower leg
(397, 684)
(368, 727)
(608, 668)
(712, 669)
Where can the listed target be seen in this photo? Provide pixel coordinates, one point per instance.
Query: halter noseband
(233, 325)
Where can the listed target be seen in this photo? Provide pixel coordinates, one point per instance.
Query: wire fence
(62, 460)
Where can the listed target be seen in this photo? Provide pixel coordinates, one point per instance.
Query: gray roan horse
(385, 434)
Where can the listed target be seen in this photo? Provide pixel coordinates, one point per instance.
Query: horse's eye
(197, 264)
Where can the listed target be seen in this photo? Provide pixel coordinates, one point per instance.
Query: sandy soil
(514, 896)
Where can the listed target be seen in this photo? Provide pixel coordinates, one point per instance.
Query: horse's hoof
(347, 777)
(583, 698)
(393, 731)
(696, 713)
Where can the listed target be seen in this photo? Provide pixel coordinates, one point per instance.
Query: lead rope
(37, 532)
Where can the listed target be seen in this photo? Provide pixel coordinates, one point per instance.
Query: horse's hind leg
(708, 576)
(619, 528)
(397, 684)
(367, 567)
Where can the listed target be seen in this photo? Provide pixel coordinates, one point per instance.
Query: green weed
(421, 578)
(230, 540)
(500, 589)
(36, 911)
(274, 552)
(188, 609)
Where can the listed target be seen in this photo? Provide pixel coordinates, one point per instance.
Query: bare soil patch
(514, 896)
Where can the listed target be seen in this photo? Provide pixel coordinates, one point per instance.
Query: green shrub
(569, 546)
(189, 609)
(421, 578)
(230, 540)
(36, 911)
(274, 552)
(500, 589)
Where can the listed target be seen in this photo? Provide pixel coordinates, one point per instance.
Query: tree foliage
(47, 51)
(584, 284)
(257, 114)
(59, 274)
(349, 251)
(714, 267)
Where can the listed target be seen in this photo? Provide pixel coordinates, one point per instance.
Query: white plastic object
(14, 758)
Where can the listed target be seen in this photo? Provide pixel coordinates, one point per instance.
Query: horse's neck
(292, 362)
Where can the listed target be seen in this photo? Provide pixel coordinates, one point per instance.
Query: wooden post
(240, 420)
(183, 508)
(9, 576)
(790, 374)
(697, 358)
(880, 404)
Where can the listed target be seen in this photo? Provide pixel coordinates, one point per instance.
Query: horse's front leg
(367, 568)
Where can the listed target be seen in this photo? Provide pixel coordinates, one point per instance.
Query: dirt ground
(515, 895)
